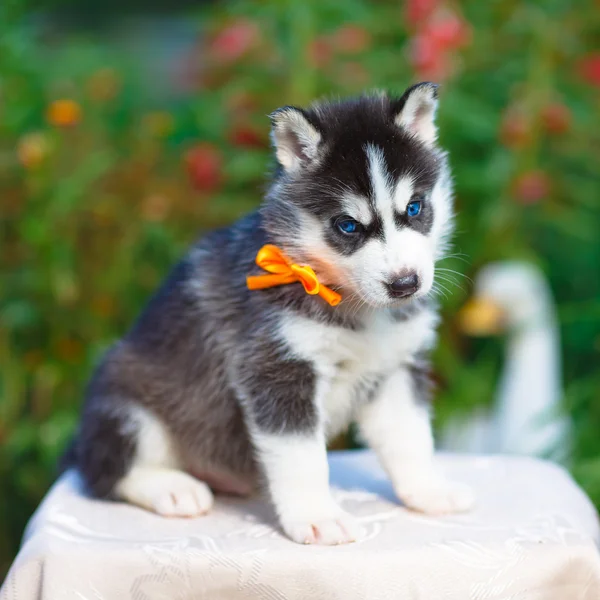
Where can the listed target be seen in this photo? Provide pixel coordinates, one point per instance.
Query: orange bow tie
(281, 271)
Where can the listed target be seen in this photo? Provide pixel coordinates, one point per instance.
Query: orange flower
(63, 113)
(32, 149)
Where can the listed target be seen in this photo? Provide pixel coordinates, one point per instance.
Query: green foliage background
(93, 214)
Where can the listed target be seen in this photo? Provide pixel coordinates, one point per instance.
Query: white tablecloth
(533, 536)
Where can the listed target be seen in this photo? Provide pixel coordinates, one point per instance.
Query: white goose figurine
(526, 416)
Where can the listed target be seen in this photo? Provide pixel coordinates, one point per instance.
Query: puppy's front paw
(329, 528)
(437, 496)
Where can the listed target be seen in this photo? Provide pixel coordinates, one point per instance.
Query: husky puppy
(219, 387)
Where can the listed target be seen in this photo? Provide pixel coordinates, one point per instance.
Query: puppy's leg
(282, 397)
(124, 451)
(396, 424)
(297, 473)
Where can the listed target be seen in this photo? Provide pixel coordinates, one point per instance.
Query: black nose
(404, 286)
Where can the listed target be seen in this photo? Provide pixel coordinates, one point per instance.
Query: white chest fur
(343, 358)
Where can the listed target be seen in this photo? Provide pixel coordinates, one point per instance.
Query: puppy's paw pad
(332, 531)
(438, 497)
(185, 498)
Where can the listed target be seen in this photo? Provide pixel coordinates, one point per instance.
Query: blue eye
(347, 225)
(413, 208)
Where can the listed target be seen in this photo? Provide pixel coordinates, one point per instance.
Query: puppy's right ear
(295, 139)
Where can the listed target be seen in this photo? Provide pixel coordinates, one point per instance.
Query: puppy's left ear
(415, 111)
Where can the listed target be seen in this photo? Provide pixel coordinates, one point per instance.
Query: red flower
(234, 41)
(351, 39)
(589, 69)
(531, 187)
(319, 52)
(448, 31)
(556, 118)
(515, 130)
(418, 11)
(246, 136)
(428, 59)
(204, 165)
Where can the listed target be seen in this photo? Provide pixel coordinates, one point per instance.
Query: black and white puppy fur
(220, 388)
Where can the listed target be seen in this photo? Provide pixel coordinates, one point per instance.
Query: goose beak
(481, 316)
